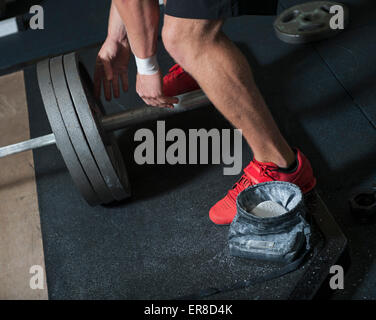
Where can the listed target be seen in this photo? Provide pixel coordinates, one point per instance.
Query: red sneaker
(224, 211)
(177, 81)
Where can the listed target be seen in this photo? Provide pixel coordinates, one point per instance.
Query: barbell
(309, 21)
(83, 133)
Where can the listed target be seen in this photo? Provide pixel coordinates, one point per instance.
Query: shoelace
(265, 170)
(174, 67)
(174, 72)
(245, 181)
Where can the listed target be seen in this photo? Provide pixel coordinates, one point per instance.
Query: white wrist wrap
(147, 66)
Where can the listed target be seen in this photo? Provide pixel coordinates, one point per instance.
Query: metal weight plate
(117, 158)
(79, 83)
(63, 142)
(307, 22)
(75, 130)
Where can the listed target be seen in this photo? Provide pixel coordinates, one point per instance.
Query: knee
(175, 37)
(184, 39)
(170, 38)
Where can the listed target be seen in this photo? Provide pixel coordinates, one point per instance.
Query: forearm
(116, 28)
(141, 19)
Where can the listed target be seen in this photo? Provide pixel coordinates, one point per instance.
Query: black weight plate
(307, 22)
(75, 130)
(88, 111)
(117, 158)
(63, 142)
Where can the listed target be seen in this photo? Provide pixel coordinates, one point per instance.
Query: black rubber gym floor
(161, 244)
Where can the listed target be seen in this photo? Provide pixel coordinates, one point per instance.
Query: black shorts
(219, 9)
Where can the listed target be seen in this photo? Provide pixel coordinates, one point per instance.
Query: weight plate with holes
(63, 142)
(308, 22)
(89, 111)
(75, 131)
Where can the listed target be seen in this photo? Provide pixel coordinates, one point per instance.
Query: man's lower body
(192, 34)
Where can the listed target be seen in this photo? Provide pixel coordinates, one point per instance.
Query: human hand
(149, 88)
(111, 65)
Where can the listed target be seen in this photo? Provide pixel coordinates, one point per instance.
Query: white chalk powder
(268, 209)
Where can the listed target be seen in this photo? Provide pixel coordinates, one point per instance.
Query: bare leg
(224, 74)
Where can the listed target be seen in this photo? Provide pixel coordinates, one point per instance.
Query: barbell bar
(84, 134)
(117, 121)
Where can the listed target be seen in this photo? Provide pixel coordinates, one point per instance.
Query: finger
(124, 81)
(108, 70)
(169, 100)
(168, 106)
(145, 99)
(152, 102)
(115, 86)
(107, 89)
(162, 104)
